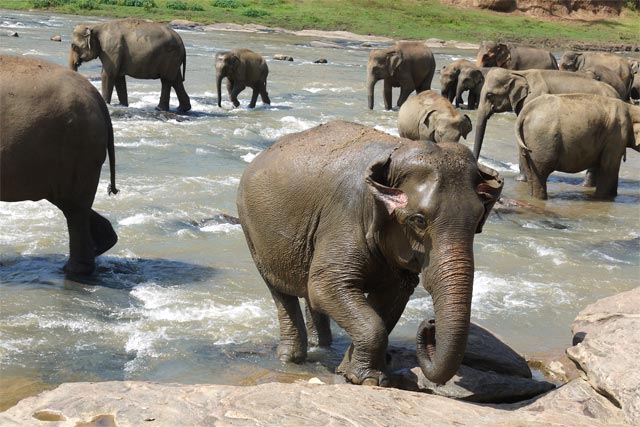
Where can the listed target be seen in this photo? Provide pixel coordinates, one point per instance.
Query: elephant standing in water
(242, 68)
(55, 133)
(581, 61)
(429, 116)
(407, 65)
(137, 48)
(514, 57)
(347, 217)
(506, 90)
(573, 132)
(449, 77)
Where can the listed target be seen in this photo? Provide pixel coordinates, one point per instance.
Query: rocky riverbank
(607, 393)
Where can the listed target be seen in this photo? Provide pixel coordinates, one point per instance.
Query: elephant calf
(431, 117)
(242, 68)
(573, 132)
(347, 217)
(515, 57)
(133, 47)
(55, 134)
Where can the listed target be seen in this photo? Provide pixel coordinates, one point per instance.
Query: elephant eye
(417, 220)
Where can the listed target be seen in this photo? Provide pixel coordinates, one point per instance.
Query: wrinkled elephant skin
(347, 217)
(56, 151)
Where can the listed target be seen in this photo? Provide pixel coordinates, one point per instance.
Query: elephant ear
(425, 130)
(635, 143)
(385, 199)
(394, 59)
(465, 126)
(489, 187)
(503, 55)
(518, 91)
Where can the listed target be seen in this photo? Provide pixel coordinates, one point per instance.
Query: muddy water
(179, 299)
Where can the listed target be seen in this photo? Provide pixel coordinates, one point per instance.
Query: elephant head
(430, 200)
(492, 54)
(470, 79)
(439, 127)
(84, 46)
(228, 65)
(503, 90)
(382, 64)
(448, 80)
(571, 61)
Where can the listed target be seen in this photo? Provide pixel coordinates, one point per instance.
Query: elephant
(407, 65)
(133, 47)
(578, 61)
(347, 217)
(429, 116)
(242, 68)
(449, 77)
(604, 74)
(506, 90)
(634, 92)
(514, 57)
(573, 132)
(470, 79)
(55, 134)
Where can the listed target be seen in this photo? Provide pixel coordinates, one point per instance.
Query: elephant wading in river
(347, 217)
(514, 57)
(429, 116)
(407, 65)
(470, 79)
(242, 68)
(449, 77)
(580, 61)
(137, 48)
(506, 90)
(55, 132)
(573, 132)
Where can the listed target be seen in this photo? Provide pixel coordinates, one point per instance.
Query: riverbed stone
(282, 57)
(607, 350)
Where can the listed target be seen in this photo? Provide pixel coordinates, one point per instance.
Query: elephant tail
(111, 153)
(519, 135)
(184, 66)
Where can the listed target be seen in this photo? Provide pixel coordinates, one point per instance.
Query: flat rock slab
(136, 404)
(607, 338)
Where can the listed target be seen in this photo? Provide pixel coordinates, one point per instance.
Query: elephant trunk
(459, 90)
(371, 83)
(484, 112)
(74, 60)
(440, 345)
(219, 78)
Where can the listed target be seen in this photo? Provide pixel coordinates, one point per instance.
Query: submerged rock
(282, 57)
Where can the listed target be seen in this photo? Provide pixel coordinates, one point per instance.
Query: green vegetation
(408, 19)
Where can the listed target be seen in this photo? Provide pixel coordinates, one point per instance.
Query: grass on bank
(408, 19)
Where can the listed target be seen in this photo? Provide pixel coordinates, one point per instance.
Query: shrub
(255, 13)
(180, 5)
(39, 4)
(88, 4)
(228, 4)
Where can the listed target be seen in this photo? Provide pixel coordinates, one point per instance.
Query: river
(178, 299)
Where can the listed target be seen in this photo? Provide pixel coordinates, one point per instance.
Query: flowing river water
(178, 299)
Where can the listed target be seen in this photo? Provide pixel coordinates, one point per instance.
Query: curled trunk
(440, 345)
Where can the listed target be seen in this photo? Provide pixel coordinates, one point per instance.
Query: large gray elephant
(608, 76)
(55, 133)
(449, 77)
(515, 57)
(573, 132)
(133, 47)
(470, 79)
(407, 65)
(347, 217)
(579, 61)
(242, 68)
(429, 116)
(506, 90)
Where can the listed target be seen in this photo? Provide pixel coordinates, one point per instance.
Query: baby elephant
(573, 132)
(429, 116)
(347, 218)
(242, 68)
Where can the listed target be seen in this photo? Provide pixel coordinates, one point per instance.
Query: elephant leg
(229, 86)
(607, 177)
(264, 95)
(254, 97)
(121, 91)
(107, 87)
(522, 176)
(318, 327)
(590, 178)
(293, 334)
(102, 233)
(387, 94)
(404, 94)
(165, 93)
(81, 252)
(237, 88)
(183, 97)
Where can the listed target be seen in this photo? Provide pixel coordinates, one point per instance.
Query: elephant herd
(342, 216)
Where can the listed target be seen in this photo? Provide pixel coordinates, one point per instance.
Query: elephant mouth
(427, 339)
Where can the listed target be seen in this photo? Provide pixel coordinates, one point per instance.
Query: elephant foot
(160, 107)
(589, 182)
(521, 177)
(363, 376)
(291, 354)
(83, 268)
(184, 108)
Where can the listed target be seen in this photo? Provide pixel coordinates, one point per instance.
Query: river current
(178, 299)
